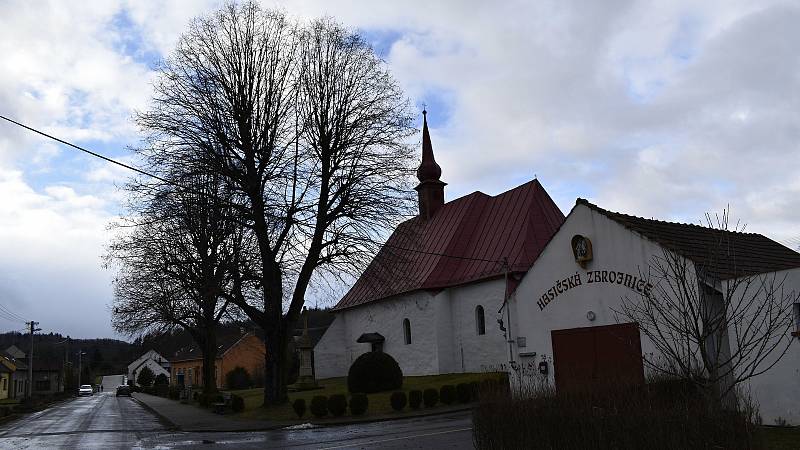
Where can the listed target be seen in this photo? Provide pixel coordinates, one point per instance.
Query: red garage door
(588, 357)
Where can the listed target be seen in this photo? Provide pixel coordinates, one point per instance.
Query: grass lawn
(780, 438)
(378, 403)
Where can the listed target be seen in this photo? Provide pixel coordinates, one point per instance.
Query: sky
(665, 109)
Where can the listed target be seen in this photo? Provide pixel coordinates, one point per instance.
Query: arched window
(480, 320)
(407, 330)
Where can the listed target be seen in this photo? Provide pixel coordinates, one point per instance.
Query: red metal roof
(464, 242)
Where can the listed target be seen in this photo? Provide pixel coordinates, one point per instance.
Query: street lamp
(80, 354)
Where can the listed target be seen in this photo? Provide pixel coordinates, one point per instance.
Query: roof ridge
(583, 201)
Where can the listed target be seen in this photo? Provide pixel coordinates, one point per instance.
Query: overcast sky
(660, 109)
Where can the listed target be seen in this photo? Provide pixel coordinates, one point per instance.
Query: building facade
(245, 351)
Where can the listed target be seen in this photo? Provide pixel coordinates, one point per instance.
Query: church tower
(430, 188)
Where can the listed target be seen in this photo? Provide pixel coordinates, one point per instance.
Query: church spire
(430, 188)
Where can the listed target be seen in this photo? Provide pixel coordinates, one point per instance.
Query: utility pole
(80, 355)
(33, 329)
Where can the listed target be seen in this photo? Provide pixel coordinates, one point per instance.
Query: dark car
(123, 390)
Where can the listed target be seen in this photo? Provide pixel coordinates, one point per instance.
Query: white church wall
(444, 343)
(472, 352)
(329, 356)
(778, 390)
(614, 249)
(384, 317)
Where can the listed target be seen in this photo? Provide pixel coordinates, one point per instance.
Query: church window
(480, 320)
(407, 331)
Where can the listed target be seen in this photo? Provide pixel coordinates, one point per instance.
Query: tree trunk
(275, 392)
(209, 362)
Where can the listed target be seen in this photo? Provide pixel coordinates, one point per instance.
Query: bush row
(336, 405)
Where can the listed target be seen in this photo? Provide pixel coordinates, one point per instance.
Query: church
(507, 282)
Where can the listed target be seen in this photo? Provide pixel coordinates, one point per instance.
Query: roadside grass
(780, 438)
(378, 402)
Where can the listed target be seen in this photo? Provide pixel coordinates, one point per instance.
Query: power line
(172, 183)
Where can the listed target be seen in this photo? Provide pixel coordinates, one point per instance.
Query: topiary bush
(174, 393)
(473, 390)
(430, 397)
(237, 403)
(463, 393)
(358, 404)
(238, 378)
(374, 372)
(161, 380)
(337, 405)
(415, 399)
(398, 400)
(299, 406)
(447, 394)
(319, 406)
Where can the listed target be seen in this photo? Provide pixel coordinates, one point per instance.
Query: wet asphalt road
(109, 422)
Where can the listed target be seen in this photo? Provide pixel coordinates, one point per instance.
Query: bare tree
(308, 129)
(713, 321)
(176, 254)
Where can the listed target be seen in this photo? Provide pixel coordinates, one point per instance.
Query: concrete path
(193, 418)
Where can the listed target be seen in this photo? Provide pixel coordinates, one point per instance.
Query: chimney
(430, 188)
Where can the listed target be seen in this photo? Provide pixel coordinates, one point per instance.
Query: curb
(171, 426)
(355, 421)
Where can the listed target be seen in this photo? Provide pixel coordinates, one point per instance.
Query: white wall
(778, 390)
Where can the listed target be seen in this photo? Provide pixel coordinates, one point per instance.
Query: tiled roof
(464, 242)
(224, 343)
(721, 254)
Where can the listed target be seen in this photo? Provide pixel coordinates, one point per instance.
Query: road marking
(397, 439)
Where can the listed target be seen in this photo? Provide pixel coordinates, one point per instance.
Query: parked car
(85, 389)
(123, 390)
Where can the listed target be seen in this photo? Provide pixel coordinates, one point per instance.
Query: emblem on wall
(581, 249)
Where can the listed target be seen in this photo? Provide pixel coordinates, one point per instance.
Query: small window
(407, 331)
(480, 321)
(797, 318)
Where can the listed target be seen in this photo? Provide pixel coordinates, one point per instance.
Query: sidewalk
(192, 418)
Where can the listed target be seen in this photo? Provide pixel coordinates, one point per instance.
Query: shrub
(430, 397)
(237, 403)
(174, 392)
(447, 394)
(415, 399)
(299, 406)
(473, 390)
(203, 399)
(615, 417)
(358, 404)
(398, 400)
(319, 406)
(374, 372)
(337, 405)
(161, 380)
(463, 393)
(146, 377)
(238, 378)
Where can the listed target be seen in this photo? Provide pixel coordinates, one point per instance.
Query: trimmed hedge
(415, 399)
(374, 372)
(359, 404)
(447, 394)
(319, 406)
(474, 389)
(463, 393)
(174, 392)
(398, 400)
(430, 397)
(337, 405)
(299, 406)
(237, 403)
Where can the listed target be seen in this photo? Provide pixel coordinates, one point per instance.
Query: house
(233, 350)
(432, 295)
(151, 359)
(7, 369)
(48, 376)
(566, 311)
(19, 377)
